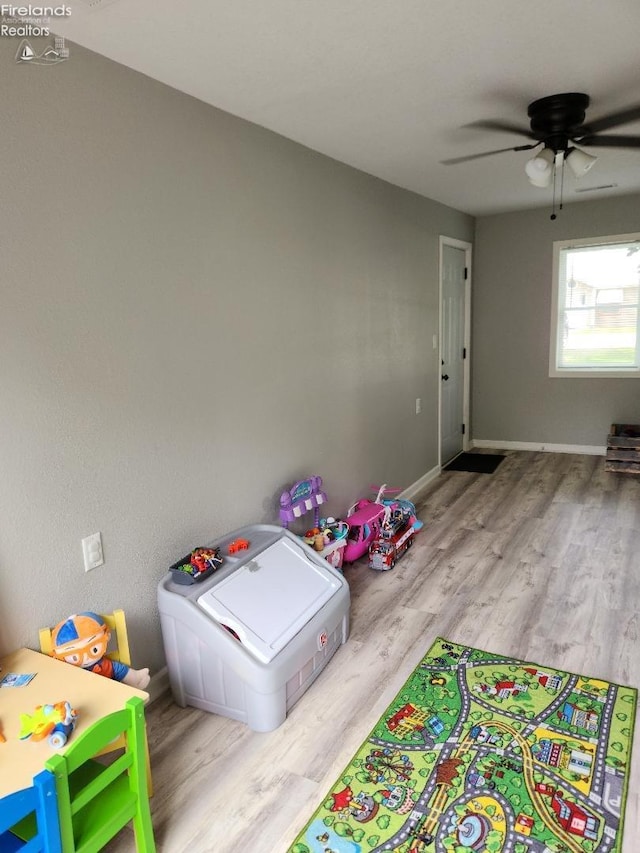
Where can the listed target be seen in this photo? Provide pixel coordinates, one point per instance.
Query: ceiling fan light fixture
(541, 181)
(580, 162)
(539, 169)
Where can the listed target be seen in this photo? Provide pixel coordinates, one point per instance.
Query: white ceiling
(388, 86)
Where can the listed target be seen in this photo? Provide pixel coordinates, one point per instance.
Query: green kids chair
(96, 800)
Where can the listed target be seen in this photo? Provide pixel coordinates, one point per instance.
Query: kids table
(93, 696)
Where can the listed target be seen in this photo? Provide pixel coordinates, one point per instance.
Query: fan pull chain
(555, 176)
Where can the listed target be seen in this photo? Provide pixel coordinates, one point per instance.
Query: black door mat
(476, 463)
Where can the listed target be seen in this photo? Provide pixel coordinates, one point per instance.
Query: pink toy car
(365, 520)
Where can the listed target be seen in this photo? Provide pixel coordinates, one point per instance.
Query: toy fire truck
(395, 537)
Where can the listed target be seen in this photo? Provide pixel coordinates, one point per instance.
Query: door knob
(445, 376)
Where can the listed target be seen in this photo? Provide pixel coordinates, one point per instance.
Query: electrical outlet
(92, 551)
(418, 405)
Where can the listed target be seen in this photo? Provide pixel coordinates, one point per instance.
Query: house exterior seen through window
(594, 324)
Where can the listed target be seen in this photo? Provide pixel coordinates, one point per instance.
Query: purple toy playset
(327, 536)
(303, 497)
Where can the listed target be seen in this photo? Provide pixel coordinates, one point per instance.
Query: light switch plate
(92, 551)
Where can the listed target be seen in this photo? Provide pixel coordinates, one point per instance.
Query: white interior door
(453, 350)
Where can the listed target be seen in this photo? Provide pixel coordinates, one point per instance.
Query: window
(594, 324)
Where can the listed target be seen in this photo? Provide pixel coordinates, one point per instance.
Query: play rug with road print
(480, 752)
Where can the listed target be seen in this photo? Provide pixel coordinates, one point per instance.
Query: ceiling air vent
(595, 189)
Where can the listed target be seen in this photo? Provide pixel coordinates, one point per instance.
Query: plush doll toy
(82, 640)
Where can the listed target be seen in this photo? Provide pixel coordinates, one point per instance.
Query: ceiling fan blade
(613, 120)
(489, 124)
(453, 160)
(616, 141)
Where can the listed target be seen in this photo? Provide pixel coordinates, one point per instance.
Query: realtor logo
(51, 55)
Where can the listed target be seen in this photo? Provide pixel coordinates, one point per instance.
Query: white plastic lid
(271, 596)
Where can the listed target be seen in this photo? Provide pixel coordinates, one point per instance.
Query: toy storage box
(248, 641)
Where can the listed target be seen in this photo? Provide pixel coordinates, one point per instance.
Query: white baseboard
(159, 684)
(415, 488)
(586, 449)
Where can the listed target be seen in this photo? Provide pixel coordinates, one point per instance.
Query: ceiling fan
(556, 122)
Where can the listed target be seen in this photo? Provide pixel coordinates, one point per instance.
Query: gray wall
(514, 399)
(194, 313)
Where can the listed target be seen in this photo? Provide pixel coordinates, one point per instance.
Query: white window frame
(556, 326)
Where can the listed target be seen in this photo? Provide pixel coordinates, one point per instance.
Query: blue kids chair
(39, 804)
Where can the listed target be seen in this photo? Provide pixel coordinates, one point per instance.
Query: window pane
(598, 307)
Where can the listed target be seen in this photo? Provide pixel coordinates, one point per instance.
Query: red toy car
(238, 545)
(390, 545)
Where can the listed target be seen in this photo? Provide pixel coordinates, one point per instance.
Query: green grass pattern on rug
(480, 752)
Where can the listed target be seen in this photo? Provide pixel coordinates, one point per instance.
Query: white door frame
(467, 247)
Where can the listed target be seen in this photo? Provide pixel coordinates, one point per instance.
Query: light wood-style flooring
(540, 560)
